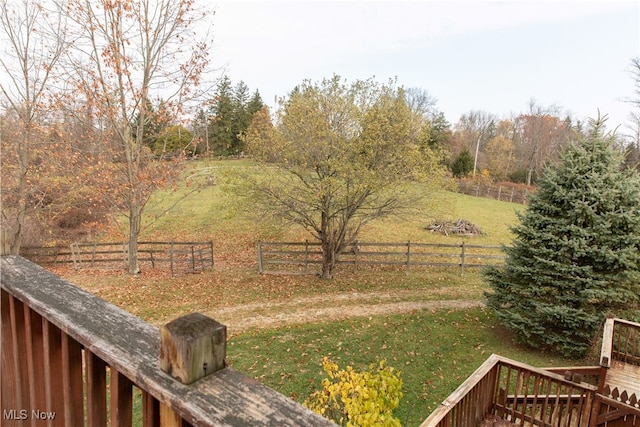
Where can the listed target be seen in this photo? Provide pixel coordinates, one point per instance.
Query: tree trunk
(23, 156)
(328, 264)
(135, 214)
(328, 260)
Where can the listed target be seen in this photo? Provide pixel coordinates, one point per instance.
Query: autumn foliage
(358, 399)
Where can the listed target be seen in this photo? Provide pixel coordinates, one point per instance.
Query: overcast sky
(472, 55)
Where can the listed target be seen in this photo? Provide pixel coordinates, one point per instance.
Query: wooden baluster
(52, 348)
(72, 381)
(8, 382)
(96, 374)
(18, 342)
(150, 410)
(121, 392)
(35, 361)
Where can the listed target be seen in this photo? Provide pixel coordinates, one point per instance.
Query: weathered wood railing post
(607, 343)
(192, 347)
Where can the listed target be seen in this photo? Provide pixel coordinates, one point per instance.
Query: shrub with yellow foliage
(358, 399)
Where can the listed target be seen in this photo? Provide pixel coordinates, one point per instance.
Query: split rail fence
(173, 256)
(72, 359)
(497, 192)
(306, 257)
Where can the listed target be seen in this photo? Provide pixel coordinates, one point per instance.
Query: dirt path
(332, 307)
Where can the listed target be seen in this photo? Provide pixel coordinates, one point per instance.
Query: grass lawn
(435, 349)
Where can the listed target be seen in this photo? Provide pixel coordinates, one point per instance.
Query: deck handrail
(439, 415)
(620, 341)
(500, 385)
(109, 336)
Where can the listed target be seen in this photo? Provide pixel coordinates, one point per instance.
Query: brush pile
(459, 227)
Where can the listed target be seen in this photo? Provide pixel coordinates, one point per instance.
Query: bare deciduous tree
(33, 43)
(475, 129)
(540, 136)
(128, 52)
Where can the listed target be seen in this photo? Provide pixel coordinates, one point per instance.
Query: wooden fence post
(75, 256)
(356, 250)
(306, 256)
(408, 255)
(93, 253)
(153, 262)
(462, 259)
(260, 269)
(171, 258)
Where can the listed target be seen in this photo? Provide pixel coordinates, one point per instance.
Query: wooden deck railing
(70, 359)
(503, 389)
(503, 392)
(621, 342)
(621, 356)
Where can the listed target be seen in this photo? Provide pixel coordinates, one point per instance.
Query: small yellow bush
(358, 399)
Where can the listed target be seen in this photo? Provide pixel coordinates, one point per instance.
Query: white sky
(471, 55)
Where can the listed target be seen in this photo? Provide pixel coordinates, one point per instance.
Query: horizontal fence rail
(173, 256)
(306, 257)
(71, 359)
(504, 193)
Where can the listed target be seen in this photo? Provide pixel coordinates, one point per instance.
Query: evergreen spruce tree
(576, 253)
(221, 123)
(463, 164)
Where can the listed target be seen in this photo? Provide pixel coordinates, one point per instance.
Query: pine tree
(221, 124)
(576, 253)
(463, 164)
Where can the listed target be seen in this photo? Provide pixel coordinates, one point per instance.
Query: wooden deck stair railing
(503, 392)
(70, 359)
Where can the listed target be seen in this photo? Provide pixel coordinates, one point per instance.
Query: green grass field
(436, 349)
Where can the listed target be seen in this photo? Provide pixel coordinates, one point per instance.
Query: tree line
(102, 101)
(94, 95)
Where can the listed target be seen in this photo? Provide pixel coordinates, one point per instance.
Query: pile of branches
(459, 227)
